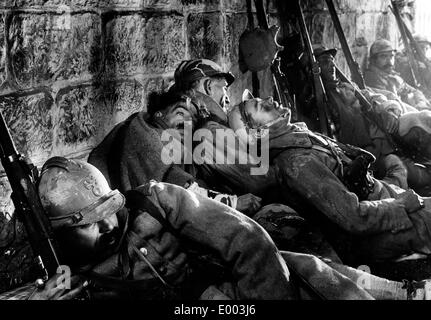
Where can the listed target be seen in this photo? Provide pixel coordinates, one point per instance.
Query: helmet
(380, 46)
(280, 221)
(421, 38)
(258, 48)
(75, 193)
(319, 49)
(189, 71)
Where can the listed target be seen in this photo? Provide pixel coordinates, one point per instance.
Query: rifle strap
(255, 84)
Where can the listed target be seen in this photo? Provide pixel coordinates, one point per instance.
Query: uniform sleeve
(257, 266)
(413, 96)
(315, 183)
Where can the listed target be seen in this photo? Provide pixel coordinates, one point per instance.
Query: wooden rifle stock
(413, 64)
(355, 71)
(22, 176)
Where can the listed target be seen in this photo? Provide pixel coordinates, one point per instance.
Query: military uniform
(312, 179)
(352, 127)
(376, 78)
(158, 257)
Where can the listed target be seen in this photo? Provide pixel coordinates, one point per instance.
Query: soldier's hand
(55, 289)
(411, 201)
(422, 105)
(248, 204)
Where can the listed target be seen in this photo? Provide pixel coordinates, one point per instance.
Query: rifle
(413, 64)
(355, 71)
(417, 50)
(319, 89)
(281, 83)
(367, 108)
(28, 207)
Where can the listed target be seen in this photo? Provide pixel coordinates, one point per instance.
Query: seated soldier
(163, 247)
(380, 74)
(365, 219)
(404, 68)
(375, 130)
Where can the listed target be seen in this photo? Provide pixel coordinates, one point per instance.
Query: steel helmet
(280, 221)
(319, 49)
(421, 38)
(75, 193)
(258, 48)
(380, 46)
(189, 71)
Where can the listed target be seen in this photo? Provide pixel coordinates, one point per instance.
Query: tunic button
(144, 251)
(163, 270)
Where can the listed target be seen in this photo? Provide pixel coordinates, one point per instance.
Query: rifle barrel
(353, 65)
(319, 89)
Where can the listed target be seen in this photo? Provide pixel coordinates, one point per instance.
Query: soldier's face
(385, 61)
(217, 89)
(258, 112)
(177, 115)
(92, 241)
(426, 49)
(327, 67)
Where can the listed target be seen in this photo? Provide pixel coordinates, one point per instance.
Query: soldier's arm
(315, 183)
(257, 266)
(414, 97)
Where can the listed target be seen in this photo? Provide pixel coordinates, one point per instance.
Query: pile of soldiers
(130, 225)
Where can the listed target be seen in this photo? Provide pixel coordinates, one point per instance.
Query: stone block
(361, 6)
(205, 35)
(129, 4)
(202, 5)
(80, 117)
(322, 29)
(88, 113)
(131, 44)
(30, 122)
(49, 47)
(23, 4)
(2, 49)
(366, 26)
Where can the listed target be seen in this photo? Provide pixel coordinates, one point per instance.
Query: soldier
(402, 64)
(204, 80)
(147, 250)
(381, 75)
(207, 77)
(130, 155)
(365, 219)
(381, 137)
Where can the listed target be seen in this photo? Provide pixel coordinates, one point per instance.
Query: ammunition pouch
(355, 164)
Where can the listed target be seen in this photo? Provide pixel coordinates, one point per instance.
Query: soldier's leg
(321, 280)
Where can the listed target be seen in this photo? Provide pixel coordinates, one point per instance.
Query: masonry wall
(72, 69)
